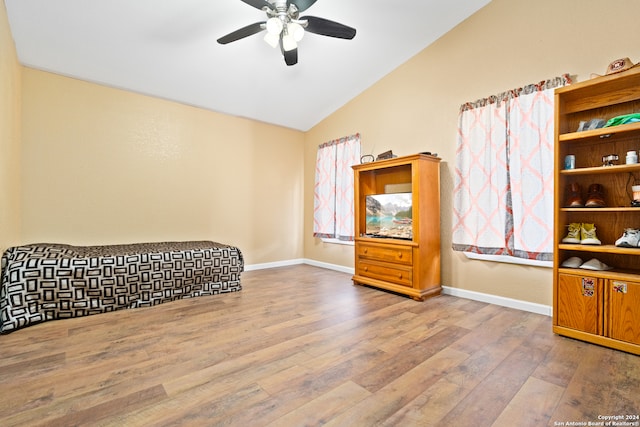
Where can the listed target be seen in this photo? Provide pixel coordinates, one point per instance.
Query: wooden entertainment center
(407, 266)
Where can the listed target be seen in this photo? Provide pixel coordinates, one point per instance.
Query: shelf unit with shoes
(597, 286)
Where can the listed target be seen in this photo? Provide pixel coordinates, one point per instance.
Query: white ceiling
(168, 49)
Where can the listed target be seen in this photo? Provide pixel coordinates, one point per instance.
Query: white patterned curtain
(333, 193)
(481, 177)
(531, 171)
(503, 194)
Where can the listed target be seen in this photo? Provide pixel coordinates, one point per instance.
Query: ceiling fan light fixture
(288, 42)
(274, 26)
(295, 30)
(272, 40)
(285, 27)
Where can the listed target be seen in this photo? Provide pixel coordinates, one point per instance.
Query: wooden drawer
(385, 271)
(396, 254)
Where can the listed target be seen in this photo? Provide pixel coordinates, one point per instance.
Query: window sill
(337, 241)
(509, 259)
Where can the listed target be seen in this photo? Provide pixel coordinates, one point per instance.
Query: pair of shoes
(592, 264)
(595, 196)
(584, 233)
(630, 238)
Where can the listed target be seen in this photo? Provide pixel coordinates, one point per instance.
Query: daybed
(43, 282)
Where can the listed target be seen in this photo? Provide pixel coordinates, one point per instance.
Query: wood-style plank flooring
(302, 346)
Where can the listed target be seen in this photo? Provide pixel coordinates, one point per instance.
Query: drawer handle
(399, 275)
(366, 269)
(399, 254)
(365, 250)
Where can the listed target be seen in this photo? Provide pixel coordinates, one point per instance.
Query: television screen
(389, 215)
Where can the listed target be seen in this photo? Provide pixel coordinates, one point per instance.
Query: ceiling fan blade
(325, 27)
(243, 32)
(291, 56)
(302, 5)
(258, 4)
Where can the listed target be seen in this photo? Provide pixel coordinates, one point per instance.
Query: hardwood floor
(302, 346)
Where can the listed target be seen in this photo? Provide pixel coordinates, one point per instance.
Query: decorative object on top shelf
(386, 155)
(617, 66)
(367, 158)
(609, 159)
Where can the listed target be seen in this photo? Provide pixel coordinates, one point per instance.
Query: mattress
(49, 281)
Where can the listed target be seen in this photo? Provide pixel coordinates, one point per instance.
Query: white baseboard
(497, 300)
(447, 290)
(273, 264)
(340, 268)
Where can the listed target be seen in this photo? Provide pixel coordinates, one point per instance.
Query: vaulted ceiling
(168, 49)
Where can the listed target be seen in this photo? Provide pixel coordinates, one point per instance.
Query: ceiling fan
(285, 27)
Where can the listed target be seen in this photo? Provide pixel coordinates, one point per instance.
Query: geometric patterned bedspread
(49, 281)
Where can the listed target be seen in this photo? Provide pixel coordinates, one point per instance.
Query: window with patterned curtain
(503, 189)
(333, 191)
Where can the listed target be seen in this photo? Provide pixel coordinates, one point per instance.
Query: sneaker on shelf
(595, 197)
(630, 238)
(588, 235)
(573, 236)
(574, 196)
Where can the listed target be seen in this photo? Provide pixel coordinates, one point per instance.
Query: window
(503, 191)
(333, 192)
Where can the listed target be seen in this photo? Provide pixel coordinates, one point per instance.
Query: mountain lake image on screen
(389, 216)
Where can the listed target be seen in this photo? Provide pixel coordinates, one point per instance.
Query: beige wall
(105, 166)
(101, 165)
(507, 44)
(9, 137)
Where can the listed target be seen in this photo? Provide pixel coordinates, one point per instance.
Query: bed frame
(42, 282)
